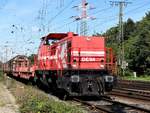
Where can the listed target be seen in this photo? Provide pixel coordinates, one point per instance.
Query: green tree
(139, 53)
(129, 28)
(136, 41)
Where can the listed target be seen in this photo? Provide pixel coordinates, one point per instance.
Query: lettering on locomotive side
(88, 53)
(47, 57)
(86, 59)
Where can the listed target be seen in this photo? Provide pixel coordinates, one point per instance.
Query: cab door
(69, 54)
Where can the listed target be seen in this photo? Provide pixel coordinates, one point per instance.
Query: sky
(24, 22)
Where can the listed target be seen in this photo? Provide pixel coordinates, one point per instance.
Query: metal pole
(83, 27)
(121, 58)
(120, 33)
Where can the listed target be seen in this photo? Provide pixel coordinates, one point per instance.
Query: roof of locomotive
(58, 36)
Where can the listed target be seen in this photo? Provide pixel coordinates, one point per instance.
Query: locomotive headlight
(75, 79)
(109, 78)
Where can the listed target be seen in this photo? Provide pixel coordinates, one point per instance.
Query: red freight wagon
(19, 66)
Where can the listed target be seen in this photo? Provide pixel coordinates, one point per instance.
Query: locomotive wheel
(39, 84)
(31, 79)
(61, 94)
(66, 96)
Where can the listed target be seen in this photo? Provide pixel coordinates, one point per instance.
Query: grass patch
(141, 78)
(2, 104)
(1, 76)
(32, 100)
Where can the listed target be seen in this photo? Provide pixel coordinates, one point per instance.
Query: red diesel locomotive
(77, 65)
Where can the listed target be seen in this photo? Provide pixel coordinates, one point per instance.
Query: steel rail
(127, 105)
(132, 84)
(134, 90)
(107, 109)
(93, 106)
(130, 94)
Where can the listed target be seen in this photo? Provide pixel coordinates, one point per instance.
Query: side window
(69, 51)
(19, 64)
(26, 64)
(47, 42)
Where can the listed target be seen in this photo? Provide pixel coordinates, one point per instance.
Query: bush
(36, 105)
(128, 73)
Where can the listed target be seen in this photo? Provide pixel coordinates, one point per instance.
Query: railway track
(132, 84)
(131, 93)
(112, 106)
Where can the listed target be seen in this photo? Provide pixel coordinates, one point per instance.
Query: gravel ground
(7, 101)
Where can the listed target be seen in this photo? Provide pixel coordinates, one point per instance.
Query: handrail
(48, 58)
